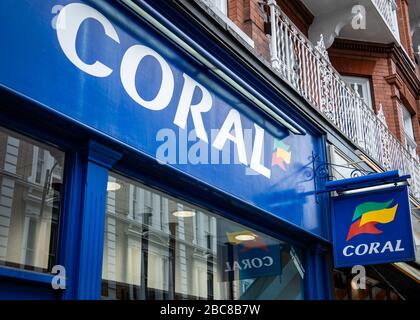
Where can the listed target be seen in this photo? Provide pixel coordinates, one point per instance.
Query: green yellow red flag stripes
(368, 214)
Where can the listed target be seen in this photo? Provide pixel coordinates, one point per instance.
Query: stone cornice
(362, 46)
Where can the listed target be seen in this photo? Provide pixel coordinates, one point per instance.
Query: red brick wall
(389, 87)
(378, 68)
(236, 12)
(249, 17)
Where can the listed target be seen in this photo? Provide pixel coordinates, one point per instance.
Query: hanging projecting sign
(372, 228)
(95, 64)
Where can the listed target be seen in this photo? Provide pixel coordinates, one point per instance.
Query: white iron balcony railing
(387, 9)
(308, 70)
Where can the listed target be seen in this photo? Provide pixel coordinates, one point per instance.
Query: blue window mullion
(69, 244)
(317, 284)
(83, 228)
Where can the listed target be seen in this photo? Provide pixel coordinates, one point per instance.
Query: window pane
(342, 167)
(31, 177)
(158, 247)
(220, 4)
(408, 125)
(361, 86)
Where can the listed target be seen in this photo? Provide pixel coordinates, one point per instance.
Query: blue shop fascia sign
(372, 227)
(93, 63)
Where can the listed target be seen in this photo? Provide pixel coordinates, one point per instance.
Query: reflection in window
(31, 176)
(342, 167)
(158, 247)
(375, 288)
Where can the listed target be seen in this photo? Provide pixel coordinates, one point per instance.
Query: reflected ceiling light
(184, 214)
(113, 186)
(245, 237)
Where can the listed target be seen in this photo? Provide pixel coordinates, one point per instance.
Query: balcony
(387, 9)
(308, 70)
(339, 18)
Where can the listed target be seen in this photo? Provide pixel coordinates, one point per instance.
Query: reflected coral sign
(372, 228)
(244, 254)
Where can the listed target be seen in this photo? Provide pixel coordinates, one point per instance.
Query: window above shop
(408, 129)
(362, 87)
(220, 5)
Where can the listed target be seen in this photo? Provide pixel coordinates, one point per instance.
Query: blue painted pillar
(317, 283)
(320, 272)
(99, 160)
(310, 287)
(69, 239)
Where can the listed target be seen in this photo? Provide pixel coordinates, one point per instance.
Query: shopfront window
(158, 247)
(31, 177)
(374, 286)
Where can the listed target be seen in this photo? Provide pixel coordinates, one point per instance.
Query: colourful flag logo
(368, 214)
(281, 155)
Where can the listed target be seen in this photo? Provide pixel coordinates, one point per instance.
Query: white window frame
(407, 120)
(221, 5)
(220, 8)
(364, 83)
